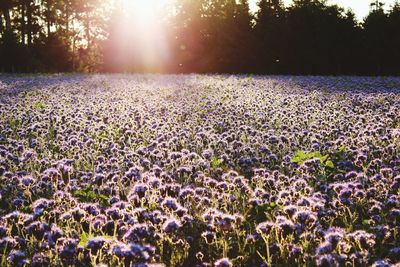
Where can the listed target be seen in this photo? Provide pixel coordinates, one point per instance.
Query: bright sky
(359, 7)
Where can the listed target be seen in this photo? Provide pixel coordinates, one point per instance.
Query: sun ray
(143, 32)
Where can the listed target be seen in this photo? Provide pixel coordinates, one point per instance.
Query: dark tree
(271, 35)
(376, 38)
(307, 37)
(394, 42)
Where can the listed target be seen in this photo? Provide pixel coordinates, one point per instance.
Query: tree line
(203, 36)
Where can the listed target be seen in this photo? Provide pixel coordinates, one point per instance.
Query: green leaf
(15, 123)
(323, 158)
(83, 239)
(103, 200)
(300, 156)
(215, 162)
(87, 188)
(88, 195)
(329, 164)
(103, 197)
(26, 209)
(91, 196)
(365, 222)
(39, 105)
(80, 193)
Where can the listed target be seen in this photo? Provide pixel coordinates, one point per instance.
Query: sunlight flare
(143, 33)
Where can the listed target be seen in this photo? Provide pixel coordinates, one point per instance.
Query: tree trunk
(1, 23)
(29, 22)
(48, 28)
(23, 29)
(73, 54)
(67, 17)
(7, 19)
(87, 27)
(48, 19)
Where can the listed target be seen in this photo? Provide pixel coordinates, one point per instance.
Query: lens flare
(140, 36)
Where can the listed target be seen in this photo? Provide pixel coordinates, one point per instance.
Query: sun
(144, 9)
(143, 29)
(146, 14)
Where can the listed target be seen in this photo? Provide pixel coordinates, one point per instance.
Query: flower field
(192, 170)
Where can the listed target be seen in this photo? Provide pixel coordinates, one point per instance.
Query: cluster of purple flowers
(141, 170)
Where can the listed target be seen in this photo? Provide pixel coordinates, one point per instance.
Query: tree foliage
(307, 37)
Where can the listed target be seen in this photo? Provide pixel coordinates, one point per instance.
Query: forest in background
(203, 36)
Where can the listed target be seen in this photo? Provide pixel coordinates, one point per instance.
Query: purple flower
(140, 189)
(96, 243)
(39, 260)
(67, 248)
(27, 181)
(170, 203)
(364, 239)
(40, 205)
(394, 254)
(284, 225)
(133, 252)
(265, 227)
(171, 225)
(17, 258)
(224, 262)
(37, 229)
(324, 248)
(326, 260)
(382, 263)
